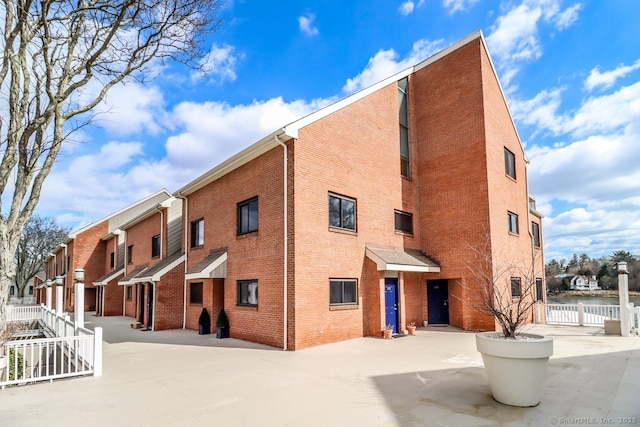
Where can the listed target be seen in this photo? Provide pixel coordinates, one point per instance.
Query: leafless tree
(58, 60)
(505, 285)
(39, 237)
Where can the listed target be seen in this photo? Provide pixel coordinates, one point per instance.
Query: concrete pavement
(435, 378)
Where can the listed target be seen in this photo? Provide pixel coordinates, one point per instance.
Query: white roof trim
(208, 271)
(109, 278)
(75, 233)
(383, 266)
(156, 277)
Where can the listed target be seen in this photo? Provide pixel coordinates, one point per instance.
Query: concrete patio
(435, 378)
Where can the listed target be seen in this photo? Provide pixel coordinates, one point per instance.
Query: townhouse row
(369, 213)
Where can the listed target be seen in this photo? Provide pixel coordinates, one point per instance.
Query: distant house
(583, 283)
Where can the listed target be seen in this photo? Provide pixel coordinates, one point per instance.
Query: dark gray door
(438, 301)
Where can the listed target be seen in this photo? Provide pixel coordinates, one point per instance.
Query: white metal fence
(68, 351)
(581, 314)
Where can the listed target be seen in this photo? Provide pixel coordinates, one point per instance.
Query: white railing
(581, 314)
(72, 351)
(21, 313)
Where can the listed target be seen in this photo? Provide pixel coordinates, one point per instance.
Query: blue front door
(391, 303)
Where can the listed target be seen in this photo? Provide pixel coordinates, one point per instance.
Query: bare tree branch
(59, 60)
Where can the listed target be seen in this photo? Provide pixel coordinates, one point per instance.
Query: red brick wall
(85, 251)
(131, 305)
(169, 300)
(139, 235)
(114, 295)
(256, 255)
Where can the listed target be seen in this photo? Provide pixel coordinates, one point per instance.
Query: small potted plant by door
(204, 323)
(515, 362)
(387, 332)
(222, 325)
(411, 328)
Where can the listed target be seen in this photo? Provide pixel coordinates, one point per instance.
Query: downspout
(186, 258)
(286, 244)
(533, 249)
(124, 290)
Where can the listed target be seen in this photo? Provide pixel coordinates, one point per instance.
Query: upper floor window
(403, 116)
(516, 287)
(342, 212)
(155, 246)
(197, 233)
(404, 222)
(535, 230)
(112, 260)
(248, 216)
(509, 163)
(343, 291)
(248, 292)
(130, 254)
(513, 223)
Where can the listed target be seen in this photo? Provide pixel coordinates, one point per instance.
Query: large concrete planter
(516, 367)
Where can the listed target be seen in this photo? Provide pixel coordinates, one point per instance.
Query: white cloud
(454, 6)
(306, 25)
(514, 38)
(592, 177)
(407, 7)
(385, 63)
(214, 131)
(608, 78)
(568, 17)
(131, 108)
(219, 64)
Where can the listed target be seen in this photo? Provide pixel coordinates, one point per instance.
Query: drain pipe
(186, 259)
(286, 244)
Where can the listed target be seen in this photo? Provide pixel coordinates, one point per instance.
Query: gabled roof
(291, 130)
(104, 280)
(161, 268)
(129, 279)
(213, 266)
(75, 233)
(149, 212)
(400, 259)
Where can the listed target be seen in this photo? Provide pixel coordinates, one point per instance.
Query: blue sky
(570, 71)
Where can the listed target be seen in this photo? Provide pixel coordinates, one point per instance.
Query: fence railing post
(97, 352)
(580, 314)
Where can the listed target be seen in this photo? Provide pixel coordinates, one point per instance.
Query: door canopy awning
(162, 267)
(104, 280)
(401, 259)
(213, 266)
(130, 279)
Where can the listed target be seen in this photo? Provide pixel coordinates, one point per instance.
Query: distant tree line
(559, 273)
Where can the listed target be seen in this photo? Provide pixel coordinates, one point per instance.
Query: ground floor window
(248, 292)
(516, 287)
(343, 291)
(129, 293)
(195, 293)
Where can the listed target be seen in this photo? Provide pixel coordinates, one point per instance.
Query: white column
(97, 352)
(79, 311)
(59, 300)
(580, 314)
(623, 294)
(48, 297)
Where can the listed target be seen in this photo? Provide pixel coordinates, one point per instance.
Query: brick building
(367, 213)
(87, 248)
(389, 194)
